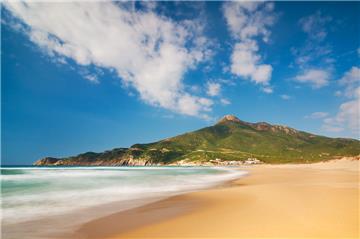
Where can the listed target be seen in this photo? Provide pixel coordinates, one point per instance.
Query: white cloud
(347, 117)
(213, 89)
(315, 52)
(246, 21)
(338, 93)
(317, 115)
(245, 63)
(191, 105)
(92, 78)
(316, 78)
(267, 90)
(285, 97)
(225, 101)
(150, 53)
(195, 89)
(351, 81)
(249, 19)
(314, 25)
(331, 128)
(262, 74)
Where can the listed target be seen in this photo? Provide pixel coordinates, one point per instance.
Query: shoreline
(267, 198)
(153, 212)
(63, 225)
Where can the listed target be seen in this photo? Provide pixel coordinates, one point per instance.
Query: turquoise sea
(30, 194)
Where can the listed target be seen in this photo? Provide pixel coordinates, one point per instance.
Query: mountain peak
(228, 118)
(259, 126)
(232, 141)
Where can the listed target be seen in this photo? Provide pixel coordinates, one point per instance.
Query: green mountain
(229, 140)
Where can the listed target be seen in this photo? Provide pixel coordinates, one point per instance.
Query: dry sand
(274, 201)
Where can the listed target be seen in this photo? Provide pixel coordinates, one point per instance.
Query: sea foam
(34, 193)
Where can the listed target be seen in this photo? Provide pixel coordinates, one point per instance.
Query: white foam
(64, 190)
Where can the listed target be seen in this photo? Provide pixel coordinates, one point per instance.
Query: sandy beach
(274, 201)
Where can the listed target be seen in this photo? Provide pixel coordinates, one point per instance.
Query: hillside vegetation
(228, 140)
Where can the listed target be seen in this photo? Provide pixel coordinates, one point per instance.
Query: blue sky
(91, 77)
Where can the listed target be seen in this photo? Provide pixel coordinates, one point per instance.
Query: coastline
(288, 201)
(154, 211)
(106, 190)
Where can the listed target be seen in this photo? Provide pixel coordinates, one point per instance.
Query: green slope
(231, 139)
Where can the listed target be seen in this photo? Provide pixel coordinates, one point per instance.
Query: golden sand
(274, 201)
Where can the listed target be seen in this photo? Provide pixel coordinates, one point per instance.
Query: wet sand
(274, 201)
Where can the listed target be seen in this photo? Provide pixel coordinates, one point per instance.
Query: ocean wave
(39, 193)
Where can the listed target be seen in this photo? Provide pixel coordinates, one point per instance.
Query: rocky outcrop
(81, 161)
(229, 118)
(99, 162)
(260, 126)
(46, 161)
(131, 161)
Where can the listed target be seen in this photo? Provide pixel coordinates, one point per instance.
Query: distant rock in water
(230, 141)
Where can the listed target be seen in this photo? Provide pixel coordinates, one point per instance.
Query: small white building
(252, 161)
